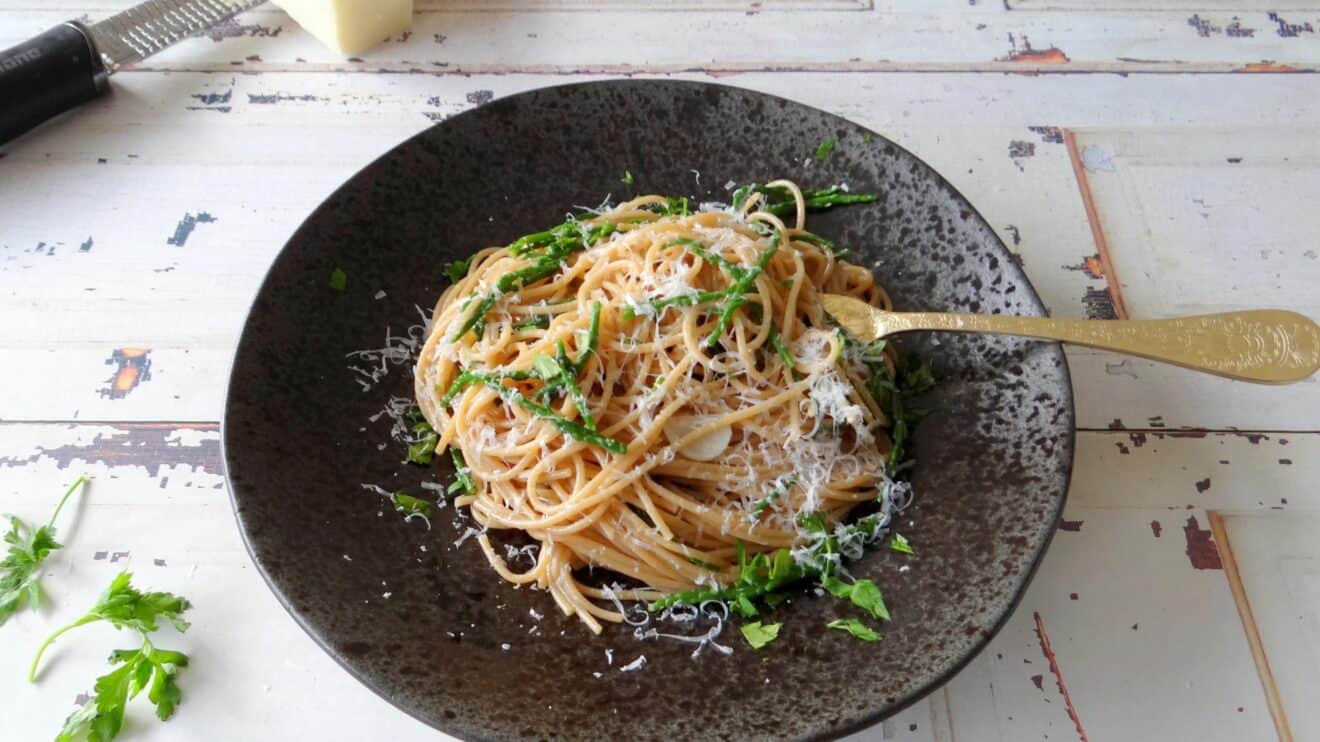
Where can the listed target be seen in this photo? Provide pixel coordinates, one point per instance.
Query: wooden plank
(1200, 221)
(1149, 647)
(1307, 6)
(1110, 388)
(157, 506)
(614, 40)
(196, 253)
(1184, 212)
(1269, 685)
(1278, 561)
(1173, 471)
(158, 494)
(422, 7)
(185, 302)
(1152, 640)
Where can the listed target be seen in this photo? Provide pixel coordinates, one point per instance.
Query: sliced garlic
(703, 448)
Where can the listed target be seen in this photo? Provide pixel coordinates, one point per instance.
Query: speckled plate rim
(862, 722)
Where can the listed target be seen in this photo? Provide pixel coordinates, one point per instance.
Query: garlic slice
(703, 448)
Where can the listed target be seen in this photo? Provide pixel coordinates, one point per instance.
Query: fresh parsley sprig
(145, 668)
(28, 549)
(125, 607)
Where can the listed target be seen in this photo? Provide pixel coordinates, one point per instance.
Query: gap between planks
(1097, 229)
(1272, 698)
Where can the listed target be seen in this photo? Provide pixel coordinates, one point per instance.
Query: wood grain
(133, 235)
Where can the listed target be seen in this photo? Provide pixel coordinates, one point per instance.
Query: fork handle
(1267, 345)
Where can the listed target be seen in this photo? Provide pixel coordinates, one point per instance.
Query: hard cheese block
(350, 26)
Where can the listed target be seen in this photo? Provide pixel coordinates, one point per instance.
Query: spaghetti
(658, 393)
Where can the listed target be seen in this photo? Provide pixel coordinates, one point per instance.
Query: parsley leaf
(627, 178)
(147, 668)
(410, 506)
(856, 628)
(863, 593)
(901, 544)
(125, 607)
(825, 148)
(338, 279)
(836, 587)
(78, 723)
(759, 635)
(866, 595)
(28, 549)
(458, 270)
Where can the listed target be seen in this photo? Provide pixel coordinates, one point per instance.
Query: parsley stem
(32, 671)
(81, 480)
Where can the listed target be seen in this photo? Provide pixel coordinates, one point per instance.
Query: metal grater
(143, 30)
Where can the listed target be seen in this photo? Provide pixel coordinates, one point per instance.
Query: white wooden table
(1144, 158)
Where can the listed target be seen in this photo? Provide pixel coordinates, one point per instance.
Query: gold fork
(1269, 346)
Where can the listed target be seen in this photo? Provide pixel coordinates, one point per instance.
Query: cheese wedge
(350, 26)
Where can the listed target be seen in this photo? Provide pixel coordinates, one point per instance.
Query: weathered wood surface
(1180, 602)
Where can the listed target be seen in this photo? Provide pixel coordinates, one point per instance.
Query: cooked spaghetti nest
(671, 389)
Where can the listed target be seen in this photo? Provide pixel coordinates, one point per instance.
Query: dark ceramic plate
(993, 458)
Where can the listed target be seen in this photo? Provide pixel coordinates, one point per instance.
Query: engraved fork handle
(1266, 345)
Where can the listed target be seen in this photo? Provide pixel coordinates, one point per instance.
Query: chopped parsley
(866, 595)
(762, 574)
(856, 628)
(338, 279)
(679, 206)
(758, 635)
(900, 544)
(825, 148)
(458, 270)
(410, 506)
(627, 178)
(422, 449)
